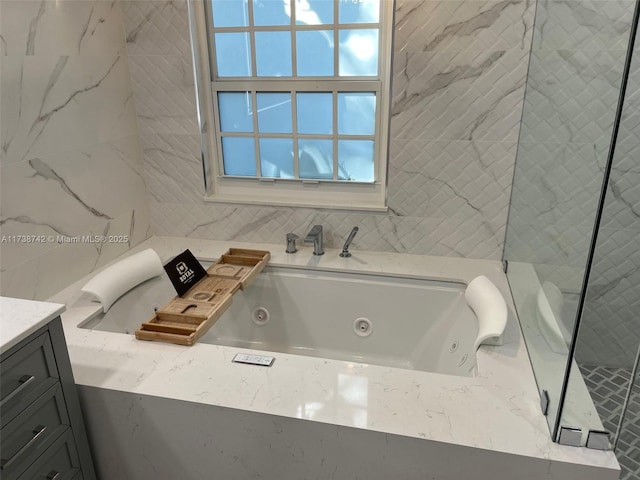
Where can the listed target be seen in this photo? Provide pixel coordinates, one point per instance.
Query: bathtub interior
(411, 323)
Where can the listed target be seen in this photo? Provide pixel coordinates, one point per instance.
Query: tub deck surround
(498, 409)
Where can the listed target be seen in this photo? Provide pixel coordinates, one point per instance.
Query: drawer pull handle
(53, 475)
(38, 432)
(25, 381)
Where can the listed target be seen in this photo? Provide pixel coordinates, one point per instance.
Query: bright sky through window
(328, 135)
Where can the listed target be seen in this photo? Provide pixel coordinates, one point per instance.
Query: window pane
(230, 13)
(233, 54)
(236, 114)
(276, 157)
(358, 52)
(239, 156)
(356, 113)
(356, 158)
(273, 54)
(315, 158)
(314, 52)
(271, 12)
(359, 11)
(274, 112)
(315, 113)
(314, 12)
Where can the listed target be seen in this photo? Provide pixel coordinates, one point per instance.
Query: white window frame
(334, 194)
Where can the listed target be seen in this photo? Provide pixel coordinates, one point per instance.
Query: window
(299, 100)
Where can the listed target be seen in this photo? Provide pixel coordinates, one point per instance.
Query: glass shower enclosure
(572, 249)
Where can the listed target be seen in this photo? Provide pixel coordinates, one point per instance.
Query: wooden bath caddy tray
(185, 319)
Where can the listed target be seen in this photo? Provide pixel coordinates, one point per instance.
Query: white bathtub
(411, 323)
(164, 411)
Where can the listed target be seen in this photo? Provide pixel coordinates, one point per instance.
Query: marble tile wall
(458, 85)
(577, 60)
(70, 157)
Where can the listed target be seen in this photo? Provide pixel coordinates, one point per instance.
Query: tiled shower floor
(608, 387)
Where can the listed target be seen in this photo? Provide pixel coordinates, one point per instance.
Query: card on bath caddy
(184, 271)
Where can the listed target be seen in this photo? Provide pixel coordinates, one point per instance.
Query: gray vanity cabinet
(42, 433)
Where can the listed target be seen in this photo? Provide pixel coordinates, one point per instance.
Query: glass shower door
(607, 346)
(574, 83)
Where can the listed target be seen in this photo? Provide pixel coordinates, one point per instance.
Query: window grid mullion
(256, 143)
(294, 128)
(218, 130)
(380, 43)
(279, 85)
(254, 97)
(303, 136)
(334, 93)
(294, 55)
(286, 28)
(376, 134)
(292, 26)
(334, 99)
(336, 40)
(252, 41)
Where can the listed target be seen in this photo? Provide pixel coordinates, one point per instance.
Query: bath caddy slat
(189, 311)
(185, 319)
(210, 286)
(169, 328)
(240, 264)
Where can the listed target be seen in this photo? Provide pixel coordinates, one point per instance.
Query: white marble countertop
(498, 409)
(19, 318)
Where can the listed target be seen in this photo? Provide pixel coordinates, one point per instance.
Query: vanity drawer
(31, 433)
(59, 462)
(26, 375)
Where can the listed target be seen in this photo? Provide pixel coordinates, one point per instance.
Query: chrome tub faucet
(345, 249)
(291, 242)
(315, 236)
